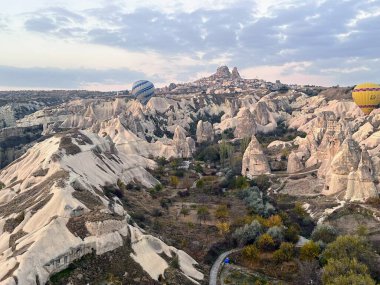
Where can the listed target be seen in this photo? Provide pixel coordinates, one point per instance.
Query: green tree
(251, 253)
(292, 233)
(346, 271)
(352, 247)
(244, 144)
(324, 233)
(309, 251)
(284, 253)
(265, 242)
(203, 214)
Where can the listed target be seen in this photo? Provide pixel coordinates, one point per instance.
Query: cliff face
(14, 142)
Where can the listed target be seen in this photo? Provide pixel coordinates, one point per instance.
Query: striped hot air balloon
(367, 96)
(143, 90)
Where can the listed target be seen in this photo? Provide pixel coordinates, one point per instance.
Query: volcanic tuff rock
(294, 163)
(254, 160)
(205, 132)
(235, 73)
(245, 124)
(360, 185)
(53, 210)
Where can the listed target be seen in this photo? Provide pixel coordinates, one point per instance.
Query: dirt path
(214, 273)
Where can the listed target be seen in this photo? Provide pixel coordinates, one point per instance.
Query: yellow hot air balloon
(367, 96)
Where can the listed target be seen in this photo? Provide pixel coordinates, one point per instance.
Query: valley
(97, 188)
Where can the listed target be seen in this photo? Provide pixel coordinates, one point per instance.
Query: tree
(292, 233)
(299, 210)
(251, 253)
(273, 221)
(265, 242)
(174, 181)
(325, 233)
(346, 271)
(203, 214)
(277, 234)
(248, 233)
(223, 227)
(352, 247)
(222, 212)
(263, 182)
(198, 168)
(244, 144)
(284, 253)
(309, 273)
(309, 251)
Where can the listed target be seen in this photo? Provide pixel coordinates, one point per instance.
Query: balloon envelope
(143, 90)
(367, 96)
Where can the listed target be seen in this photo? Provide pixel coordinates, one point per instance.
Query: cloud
(173, 40)
(66, 78)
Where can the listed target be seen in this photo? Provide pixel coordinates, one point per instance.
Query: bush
(222, 212)
(240, 182)
(309, 251)
(248, 233)
(277, 234)
(266, 242)
(2, 185)
(299, 210)
(209, 153)
(292, 233)
(284, 253)
(200, 184)
(174, 181)
(346, 271)
(255, 201)
(273, 221)
(352, 247)
(324, 233)
(262, 182)
(158, 187)
(251, 252)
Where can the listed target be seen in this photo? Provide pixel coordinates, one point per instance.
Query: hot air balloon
(143, 90)
(367, 96)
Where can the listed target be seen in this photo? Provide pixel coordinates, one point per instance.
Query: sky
(108, 44)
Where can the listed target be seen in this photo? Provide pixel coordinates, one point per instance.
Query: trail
(214, 273)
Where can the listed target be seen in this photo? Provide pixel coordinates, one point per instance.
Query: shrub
(198, 168)
(273, 221)
(324, 233)
(185, 211)
(200, 184)
(346, 271)
(277, 234)
(309, 251)
(292, 233)
(255, 201)
(248, 233)
(251, 252)
(174, 181)
(284, 253)
(241, 182)
(266, 242)
(352, 247)
(203, 214)
(299, 210)
(2, 185)
(222, 212)
(158, 187)
(262, 182)
(223, 227)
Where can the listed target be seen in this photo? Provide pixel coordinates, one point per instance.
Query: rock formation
(245, 124)
(294, 163)
(223, 72)
(361, 184)
(181, 144)
(344, 162)
(235, 73)
(254, 160)
(205, 132)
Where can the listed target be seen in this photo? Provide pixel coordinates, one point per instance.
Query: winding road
(214, 273)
